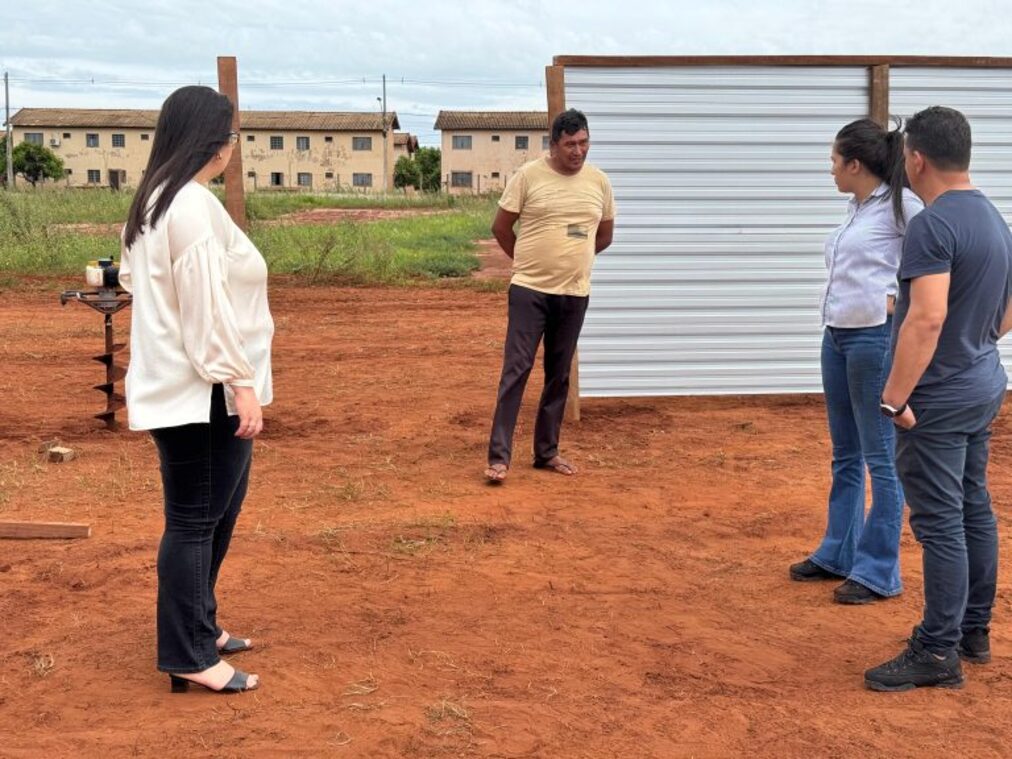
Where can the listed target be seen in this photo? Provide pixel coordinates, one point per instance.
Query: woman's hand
(890, 304)
(251, 418)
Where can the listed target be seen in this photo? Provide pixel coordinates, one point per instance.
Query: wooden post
(555, 84)
(235, 196)
(878, 94)
(45, 530)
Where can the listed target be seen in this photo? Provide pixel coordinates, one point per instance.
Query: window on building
(251, 175)
(461, 142)
(68, 172)
(145, 137)
(495, 175)
(495, 138)
(251, 138)
(544, 142)
(329, 175)
(302, 143)
(361, 143)
(35, 138)
(460, 179)
(522, 141)
(66, 135)
(361, 180)
(277, 179)
(91, 140)
(305, 179)
(277, 142)
(329, 138)
(119, 140)
(94, 176)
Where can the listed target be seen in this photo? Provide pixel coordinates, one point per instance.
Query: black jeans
(533, 315)
(205, 471)
(942, 463)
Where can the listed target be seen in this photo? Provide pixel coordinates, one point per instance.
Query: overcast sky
(437, 54)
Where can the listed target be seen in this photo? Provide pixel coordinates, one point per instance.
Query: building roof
(533, 120)
(407, 140)
(309, 121)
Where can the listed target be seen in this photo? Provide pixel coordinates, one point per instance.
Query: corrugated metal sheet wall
(721, 176)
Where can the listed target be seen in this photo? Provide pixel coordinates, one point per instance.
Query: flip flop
(561, 466)
(498, 480)
(234, 646)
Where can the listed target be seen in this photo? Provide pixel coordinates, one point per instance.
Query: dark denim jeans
(942, 463)
(205, 471)
(855, 365)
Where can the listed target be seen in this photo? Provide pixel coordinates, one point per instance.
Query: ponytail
(897, 173)
(881, 153)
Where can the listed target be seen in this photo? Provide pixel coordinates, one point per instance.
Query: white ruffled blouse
(199, 314)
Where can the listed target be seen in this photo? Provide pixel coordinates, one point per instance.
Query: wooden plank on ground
(33, 530)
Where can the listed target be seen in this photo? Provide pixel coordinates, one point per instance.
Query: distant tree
(34, 162)
(429, 163)
(406, 173)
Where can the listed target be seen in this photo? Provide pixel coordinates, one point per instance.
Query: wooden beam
(878, 94)
(634, 61)
(555, 84)
(235, 196)
(32, 530)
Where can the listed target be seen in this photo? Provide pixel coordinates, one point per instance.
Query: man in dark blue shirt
(944, 391)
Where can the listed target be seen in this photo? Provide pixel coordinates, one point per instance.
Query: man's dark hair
(570, 122)
(942, 135)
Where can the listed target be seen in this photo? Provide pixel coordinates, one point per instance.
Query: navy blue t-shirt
(963, 234)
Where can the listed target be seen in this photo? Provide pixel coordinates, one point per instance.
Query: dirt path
(402, 608)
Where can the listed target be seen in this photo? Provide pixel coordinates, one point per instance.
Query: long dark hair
(881, 152)
(193, 125)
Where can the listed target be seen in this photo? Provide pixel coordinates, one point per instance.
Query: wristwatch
(892, 411)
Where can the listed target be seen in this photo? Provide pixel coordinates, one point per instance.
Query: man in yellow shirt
(567, 216)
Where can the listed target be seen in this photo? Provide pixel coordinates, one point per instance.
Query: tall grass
(32, 240)
(381, 252)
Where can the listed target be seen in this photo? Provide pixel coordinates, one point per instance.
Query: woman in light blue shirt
(862, 258)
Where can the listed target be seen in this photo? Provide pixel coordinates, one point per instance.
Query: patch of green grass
(397, 251)
(270, 205)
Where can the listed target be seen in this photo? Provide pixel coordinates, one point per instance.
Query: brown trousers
(532, 316)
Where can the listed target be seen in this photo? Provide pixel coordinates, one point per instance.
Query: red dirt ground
(402, 608)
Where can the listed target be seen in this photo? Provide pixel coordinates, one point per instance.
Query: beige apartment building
(481, 150)
(308, 150)
(404, 144)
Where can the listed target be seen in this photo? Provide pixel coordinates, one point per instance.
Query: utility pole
(384, 134)
(10, 134)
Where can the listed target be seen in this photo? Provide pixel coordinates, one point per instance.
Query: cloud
(315, 54)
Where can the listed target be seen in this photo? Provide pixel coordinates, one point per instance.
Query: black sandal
(234, 646)
(238, 684)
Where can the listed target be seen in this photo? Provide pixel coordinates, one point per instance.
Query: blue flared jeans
(855, 365)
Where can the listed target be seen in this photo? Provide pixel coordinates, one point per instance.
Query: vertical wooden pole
(555, 84)
(235, 196)
(878, 94)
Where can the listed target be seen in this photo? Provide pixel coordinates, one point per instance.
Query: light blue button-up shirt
(862, 257)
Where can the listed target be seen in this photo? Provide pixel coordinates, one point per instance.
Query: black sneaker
(853, 592)
(916, 667)
(808, 570)
(975, 646)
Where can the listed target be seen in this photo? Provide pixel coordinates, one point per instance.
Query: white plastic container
(93, 274)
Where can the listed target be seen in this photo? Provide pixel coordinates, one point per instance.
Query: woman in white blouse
(200, 371)
(862, 257)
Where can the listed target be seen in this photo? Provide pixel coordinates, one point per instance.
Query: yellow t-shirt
(559, 216)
